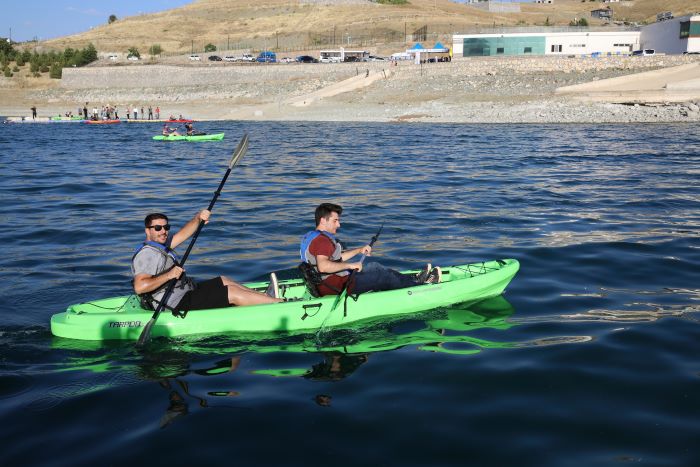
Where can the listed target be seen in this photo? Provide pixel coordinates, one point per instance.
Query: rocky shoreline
(470, 90)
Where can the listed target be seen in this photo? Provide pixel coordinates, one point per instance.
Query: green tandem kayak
(212, 137)
(122, 318)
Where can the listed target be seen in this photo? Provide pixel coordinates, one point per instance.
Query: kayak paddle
(237, 155)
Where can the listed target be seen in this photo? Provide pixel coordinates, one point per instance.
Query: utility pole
(192, 46)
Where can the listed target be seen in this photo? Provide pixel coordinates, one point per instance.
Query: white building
(672, 36)
(575, 42)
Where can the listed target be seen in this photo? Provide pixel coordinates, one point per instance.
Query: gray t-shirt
(152, 261)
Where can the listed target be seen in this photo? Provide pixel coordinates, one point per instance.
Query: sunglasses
(158, 228)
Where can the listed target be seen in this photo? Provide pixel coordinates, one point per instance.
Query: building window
(556, 47)
(685, 29)
(528, 50)
(500, 50)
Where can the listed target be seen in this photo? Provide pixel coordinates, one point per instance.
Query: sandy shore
(472, 90)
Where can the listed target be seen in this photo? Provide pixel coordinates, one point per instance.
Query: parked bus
(342, 55)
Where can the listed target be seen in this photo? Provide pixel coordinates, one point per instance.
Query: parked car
(374, 58)
(644, 52)
(353, 59)
(267, 57)
(306, 59)
(245, 58)
(132, 57)
(214, 58)
(195, 58)
(113, 57)
(229, 58)
(286, 60)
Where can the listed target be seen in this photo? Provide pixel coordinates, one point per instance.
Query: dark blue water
(590, 358)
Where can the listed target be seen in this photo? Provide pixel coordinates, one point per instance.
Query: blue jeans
(376, 277)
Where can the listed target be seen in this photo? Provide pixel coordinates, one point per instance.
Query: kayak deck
(212, 137)
(123, 318)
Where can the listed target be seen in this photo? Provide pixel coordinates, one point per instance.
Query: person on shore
(150, 112)
(155, 263)
(157, 113)
(142, 114)
(136, 113)
(128, 112)
(168, 131)
(85, 111)
(323, 252)
(33, 109)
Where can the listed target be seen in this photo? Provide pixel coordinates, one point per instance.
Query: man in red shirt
(324, 252)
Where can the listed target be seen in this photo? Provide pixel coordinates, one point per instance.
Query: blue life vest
(307, 257)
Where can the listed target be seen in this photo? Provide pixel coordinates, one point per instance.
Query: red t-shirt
(323, 246)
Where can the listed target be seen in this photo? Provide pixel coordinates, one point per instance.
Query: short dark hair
(325, 209)
(153, 216)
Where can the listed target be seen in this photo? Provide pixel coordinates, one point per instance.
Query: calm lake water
(590, 358)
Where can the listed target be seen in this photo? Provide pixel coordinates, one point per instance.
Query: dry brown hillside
(291, 25)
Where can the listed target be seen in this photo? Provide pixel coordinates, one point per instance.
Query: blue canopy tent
(418, 50)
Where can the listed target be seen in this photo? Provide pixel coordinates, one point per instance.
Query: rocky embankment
(479, 90)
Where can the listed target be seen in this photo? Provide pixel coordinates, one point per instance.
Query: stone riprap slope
(489, 89)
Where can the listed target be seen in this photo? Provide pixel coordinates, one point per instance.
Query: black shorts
(211, 293)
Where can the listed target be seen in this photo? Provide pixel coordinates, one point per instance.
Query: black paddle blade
(240, 151)
(146, 333)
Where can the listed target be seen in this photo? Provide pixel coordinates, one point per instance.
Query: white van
(644, 52)
(402, 56)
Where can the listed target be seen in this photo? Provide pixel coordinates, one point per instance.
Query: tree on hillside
(112, 19)
(133, 51)
(210, 48)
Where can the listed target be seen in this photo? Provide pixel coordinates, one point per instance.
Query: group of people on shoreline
(110, 112)
(155, 264)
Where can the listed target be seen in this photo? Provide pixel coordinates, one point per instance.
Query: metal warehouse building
(673, 36)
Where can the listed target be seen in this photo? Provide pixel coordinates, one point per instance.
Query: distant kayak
(66, 119)
(124, 318)
(212, 137)
(101, 122)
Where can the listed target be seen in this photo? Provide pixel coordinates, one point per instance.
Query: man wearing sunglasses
(155, 263)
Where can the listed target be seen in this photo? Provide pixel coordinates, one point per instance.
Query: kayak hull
(122, 318)
(212, 137)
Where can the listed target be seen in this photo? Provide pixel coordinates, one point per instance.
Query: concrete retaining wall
(161, 76)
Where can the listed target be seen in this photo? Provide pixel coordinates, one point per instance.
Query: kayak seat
(312, 278)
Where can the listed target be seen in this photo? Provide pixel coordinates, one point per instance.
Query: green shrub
(44, 68)
(210, 48)
(8, 73)
(155, 49)
(56, 71)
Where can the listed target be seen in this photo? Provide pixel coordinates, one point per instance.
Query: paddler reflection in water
(167, 131)
(155, 263)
